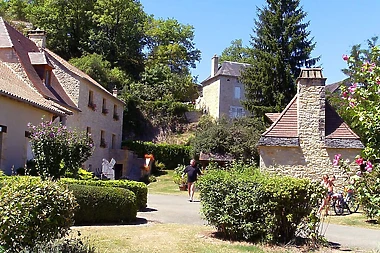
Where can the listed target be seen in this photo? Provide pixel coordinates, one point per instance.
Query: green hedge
(103, 204)
(245, 204)
(33, 211)
(169, 154)
(138, 188)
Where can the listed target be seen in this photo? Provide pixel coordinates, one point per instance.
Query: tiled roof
(229, 68)
(22, 47)
(273, 116)
(76, 71)
(14, 87)
(287, 123)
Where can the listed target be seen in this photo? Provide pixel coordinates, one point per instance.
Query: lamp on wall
(3, 129)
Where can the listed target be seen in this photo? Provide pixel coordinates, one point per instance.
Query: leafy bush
(65, 245)
(57, 149)
(99, 204)
(177, 176)
(169, 154)
(245, 204)
(237, 137)
(138, 188)
(33, 211)
(82, 174)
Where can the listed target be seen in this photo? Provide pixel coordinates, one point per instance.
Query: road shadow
(148, 210)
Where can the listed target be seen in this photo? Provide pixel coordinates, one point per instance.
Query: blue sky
(336, 25)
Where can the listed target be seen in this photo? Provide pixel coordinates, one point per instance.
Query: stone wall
(211, 93)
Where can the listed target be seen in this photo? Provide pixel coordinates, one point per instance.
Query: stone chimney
(38, 36)
(214, 65)
(114, 91)
(311, 110)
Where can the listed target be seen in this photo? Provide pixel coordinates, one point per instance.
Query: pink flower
(359, 173)
(345, 57)
(336, 159)
(352, 88)
(344, 94)
(359, 161)
(368, 166)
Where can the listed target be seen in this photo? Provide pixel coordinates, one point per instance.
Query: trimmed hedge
(138, 188)
(103, 204)
(169, 154)
(245, 204)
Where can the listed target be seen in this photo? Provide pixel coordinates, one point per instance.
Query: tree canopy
(236, 52)
(280, 47)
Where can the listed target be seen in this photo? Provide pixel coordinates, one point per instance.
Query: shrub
(246, 204)
(103, 204)
(169, 154)
(138, 188)
(33, 211)
(57, 149)
(177, 176)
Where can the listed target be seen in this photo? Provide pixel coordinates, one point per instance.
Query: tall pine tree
(280, 48)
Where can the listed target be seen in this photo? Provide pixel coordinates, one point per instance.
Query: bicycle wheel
(352, 204)
(338, 207)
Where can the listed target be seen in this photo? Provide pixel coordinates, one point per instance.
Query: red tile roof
(15, 88)
(286, 124)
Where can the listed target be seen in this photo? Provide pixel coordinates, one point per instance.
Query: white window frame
(236, 112)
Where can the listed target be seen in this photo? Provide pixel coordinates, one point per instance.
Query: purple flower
(336, 159)
(345, 57)
(359, 173)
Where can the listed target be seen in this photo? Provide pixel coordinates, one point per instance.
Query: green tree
(237, 137)
(118, 34)
(171, 43)
(280, 47)
(100, 70)
(236, 52)
(67, 24)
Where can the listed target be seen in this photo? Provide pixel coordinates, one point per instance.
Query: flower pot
(182, 187)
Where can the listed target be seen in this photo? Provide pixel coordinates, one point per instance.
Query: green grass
(356, 219)
(166, 185)
(168, 238)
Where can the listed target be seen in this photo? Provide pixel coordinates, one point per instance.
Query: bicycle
(348, 202)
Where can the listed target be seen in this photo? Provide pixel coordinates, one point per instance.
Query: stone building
(36, 83)
(222, 92)
(304, 138)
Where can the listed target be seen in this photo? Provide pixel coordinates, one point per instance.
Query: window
(104, 106)
(103, 143)
(115, 115)
(91, 103)
(236, 112)
(47, 77)
(113, 141)
(237, 92)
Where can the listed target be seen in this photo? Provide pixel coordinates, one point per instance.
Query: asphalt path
(177, 209)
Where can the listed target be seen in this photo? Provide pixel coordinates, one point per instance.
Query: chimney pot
(214, 65)
(114, 91)
(38, 36)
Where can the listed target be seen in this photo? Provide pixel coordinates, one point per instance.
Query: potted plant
(178, 179)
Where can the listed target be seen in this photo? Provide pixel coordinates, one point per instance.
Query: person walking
(329, 185)
(192, 172)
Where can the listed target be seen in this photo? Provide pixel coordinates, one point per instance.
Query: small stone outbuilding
(304, 138)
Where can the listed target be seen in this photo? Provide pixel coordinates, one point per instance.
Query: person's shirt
(192, 172)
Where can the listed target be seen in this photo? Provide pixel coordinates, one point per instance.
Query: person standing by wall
(192, 172)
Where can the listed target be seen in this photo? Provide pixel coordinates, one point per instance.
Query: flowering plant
(57, 149)
(363, 176)
(92, 105)
(363, 96)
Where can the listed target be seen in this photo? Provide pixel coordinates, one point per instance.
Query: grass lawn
(356, 219)
(170, 238)
(166, 185)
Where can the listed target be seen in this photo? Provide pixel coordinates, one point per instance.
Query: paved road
(177, 209)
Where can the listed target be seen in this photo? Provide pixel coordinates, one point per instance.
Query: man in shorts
(192, 172)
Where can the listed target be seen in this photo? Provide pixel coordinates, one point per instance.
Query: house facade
(222, 92)
(36, 83)
(307, 134)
